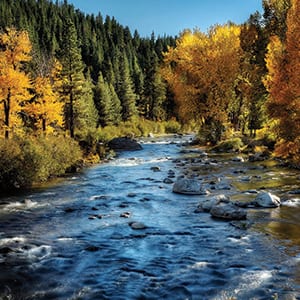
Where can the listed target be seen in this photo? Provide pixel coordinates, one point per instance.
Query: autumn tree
(45, 110)
(248, 107)
(15, 50)
(275, 17)
(201, 71)
(282, 82)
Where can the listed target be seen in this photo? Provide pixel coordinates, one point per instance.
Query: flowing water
(74, 240)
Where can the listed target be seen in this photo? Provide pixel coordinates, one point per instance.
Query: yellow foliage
(14, 83)
(46, 108)
(201, 71)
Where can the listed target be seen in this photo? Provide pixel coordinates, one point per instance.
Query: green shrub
(24, 161)
(230, 145)
(172, 126)
(10, 163)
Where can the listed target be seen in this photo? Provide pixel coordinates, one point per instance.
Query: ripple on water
(62, 254)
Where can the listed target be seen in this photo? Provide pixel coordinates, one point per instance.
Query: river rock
(238, 159)
(125, 214)
(137, 225)
(266, 199)
(228, 211)
(208, 204)
(124, 144)
(259, 156)
(155, 169)
(168, 181)
(189, 187)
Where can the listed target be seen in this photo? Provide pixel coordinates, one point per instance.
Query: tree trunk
(7, 114)
(71, 115)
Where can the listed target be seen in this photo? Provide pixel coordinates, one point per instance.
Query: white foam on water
(295, 202)
(65, 239)
(12, 241)
(23, 205)
(132, 162)
(241, 241)
(39, 252)
(126, 162)
(98, 197)
(200, 265)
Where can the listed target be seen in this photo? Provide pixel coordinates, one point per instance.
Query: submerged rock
(266, 199)
(168, 181)
(137, 225)
(189, 187)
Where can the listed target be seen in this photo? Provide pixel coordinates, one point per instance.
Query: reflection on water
(284, 224)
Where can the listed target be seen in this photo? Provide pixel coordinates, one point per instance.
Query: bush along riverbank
(29, 159)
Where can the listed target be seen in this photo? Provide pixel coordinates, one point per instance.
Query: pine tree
(72, 74)
(86, 114)
(125, 91)
(107, 103)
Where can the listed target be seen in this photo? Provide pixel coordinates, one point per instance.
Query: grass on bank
(29, 159)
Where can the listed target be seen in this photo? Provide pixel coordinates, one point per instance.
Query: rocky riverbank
(221, 180)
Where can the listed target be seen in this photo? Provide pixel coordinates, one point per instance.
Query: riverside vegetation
(70, 82)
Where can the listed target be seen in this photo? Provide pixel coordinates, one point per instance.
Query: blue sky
(170, 16)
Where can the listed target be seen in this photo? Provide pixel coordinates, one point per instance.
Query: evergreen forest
(71, 81)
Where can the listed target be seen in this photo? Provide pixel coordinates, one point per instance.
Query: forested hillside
(124, 67)
(78, 78)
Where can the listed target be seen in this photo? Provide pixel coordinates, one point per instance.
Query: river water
(73, 240)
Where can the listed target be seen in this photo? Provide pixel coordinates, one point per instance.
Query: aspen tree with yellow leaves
(15, 50)
(46, 108)
(201, 71)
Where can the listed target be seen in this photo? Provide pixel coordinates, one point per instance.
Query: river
(73, 239)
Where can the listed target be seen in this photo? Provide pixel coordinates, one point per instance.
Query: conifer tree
(86, 114)
(125, 91)
(116, 108)
(71, 75)
(107, 102)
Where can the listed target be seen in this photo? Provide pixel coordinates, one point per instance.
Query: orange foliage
(282, 82)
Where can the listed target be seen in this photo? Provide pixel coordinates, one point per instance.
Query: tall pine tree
(71, 75)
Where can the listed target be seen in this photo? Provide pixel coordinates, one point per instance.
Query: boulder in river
(228, 211)
(266, 199)
(208, 204)
(124, 144)
(189, 187)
